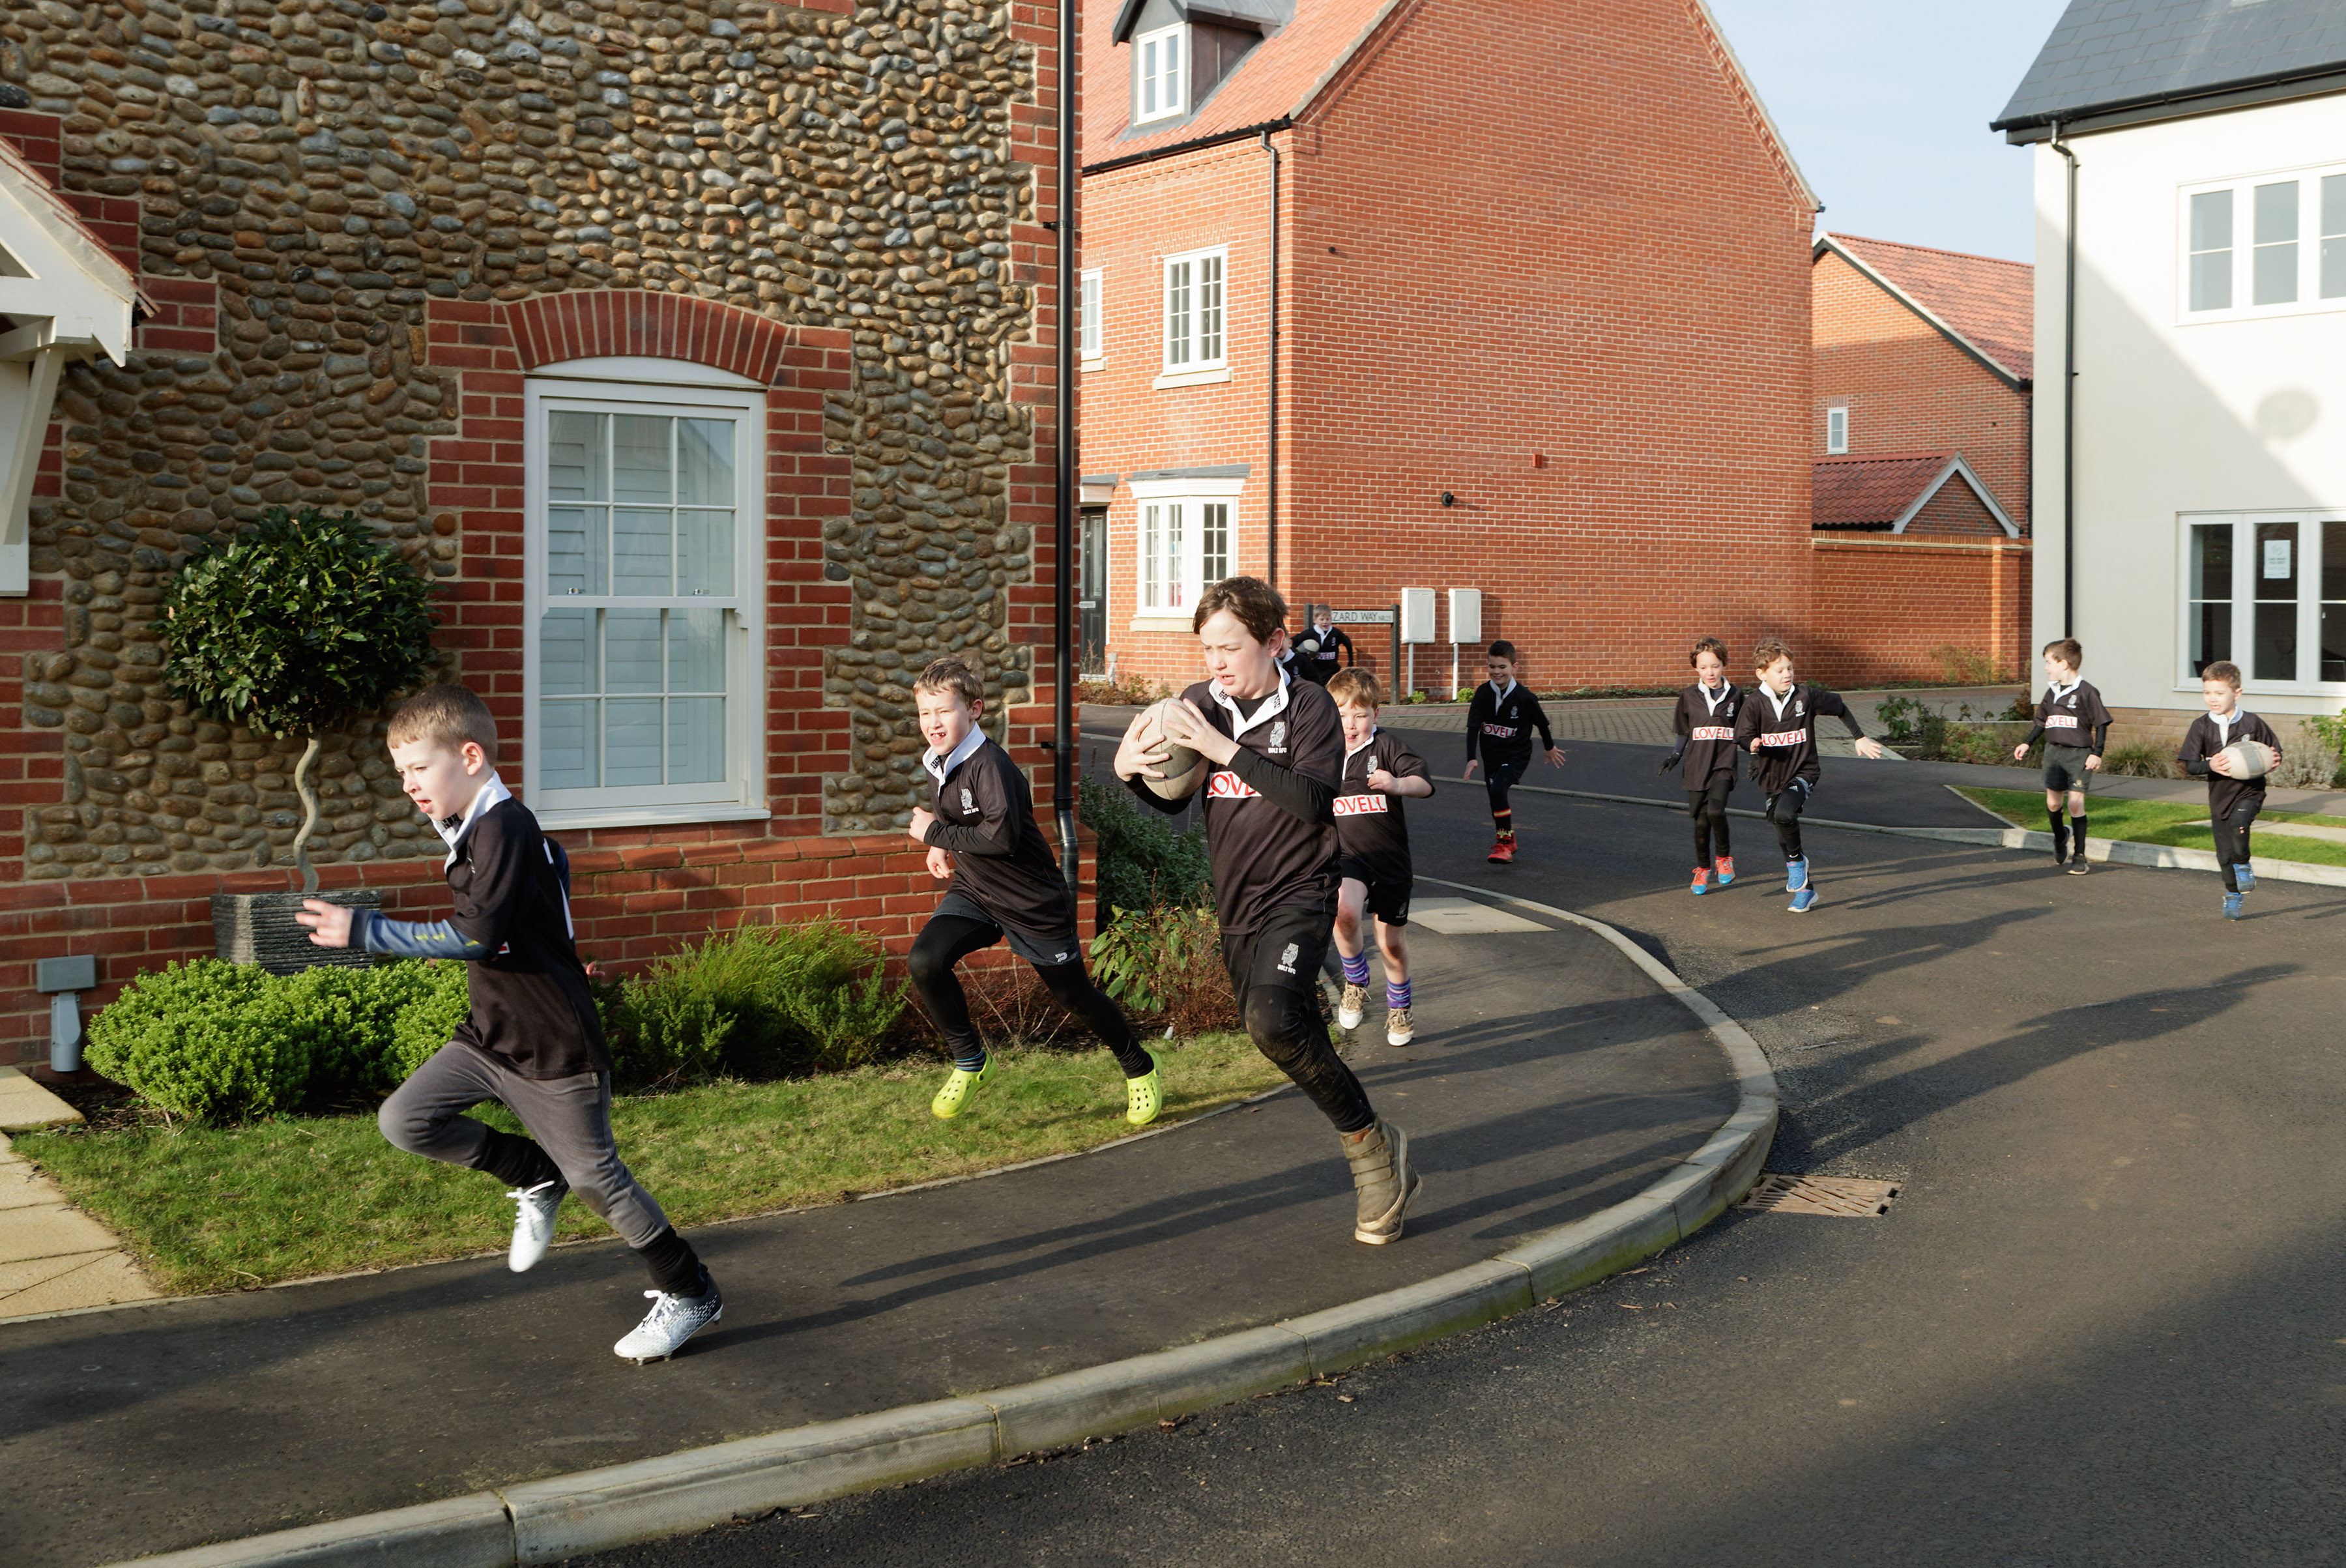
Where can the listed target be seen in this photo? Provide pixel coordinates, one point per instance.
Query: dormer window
(1159, 78)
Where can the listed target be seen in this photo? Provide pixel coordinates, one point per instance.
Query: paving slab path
(1551, 1078)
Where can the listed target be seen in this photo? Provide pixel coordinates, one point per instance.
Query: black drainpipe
(1062, 551)
(1271, 496)
(2068, 397)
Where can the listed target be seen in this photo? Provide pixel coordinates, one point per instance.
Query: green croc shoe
(960, 1090)
(1145, 1095)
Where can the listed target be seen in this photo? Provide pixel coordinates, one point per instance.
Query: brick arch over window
(586, 324)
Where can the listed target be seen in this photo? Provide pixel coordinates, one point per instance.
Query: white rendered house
(2189, 490)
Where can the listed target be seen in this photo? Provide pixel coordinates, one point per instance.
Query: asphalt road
(2104, 1322)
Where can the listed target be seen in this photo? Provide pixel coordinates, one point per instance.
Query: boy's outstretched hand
(1556, 756)
(330, 924)
(1868, 748)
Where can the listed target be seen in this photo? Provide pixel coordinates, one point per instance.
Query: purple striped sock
(1356, 968)
(1396, 994)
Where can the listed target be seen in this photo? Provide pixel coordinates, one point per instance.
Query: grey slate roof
(2108, 53)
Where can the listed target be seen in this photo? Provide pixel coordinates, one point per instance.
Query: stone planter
(260, 928)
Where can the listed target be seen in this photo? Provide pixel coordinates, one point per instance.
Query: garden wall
(1884, 601)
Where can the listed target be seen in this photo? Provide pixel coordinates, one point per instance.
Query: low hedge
(222, 1042)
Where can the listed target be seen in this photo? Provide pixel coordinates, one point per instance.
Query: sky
(1886, 105)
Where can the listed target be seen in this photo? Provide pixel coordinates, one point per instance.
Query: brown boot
(1382, 1182)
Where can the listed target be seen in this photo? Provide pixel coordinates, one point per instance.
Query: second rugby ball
(2251, 758)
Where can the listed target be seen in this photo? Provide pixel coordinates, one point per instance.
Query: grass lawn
(2158, 822)
(214, 1209)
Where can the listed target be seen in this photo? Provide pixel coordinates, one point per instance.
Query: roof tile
(1991, 303)
(1870, 492)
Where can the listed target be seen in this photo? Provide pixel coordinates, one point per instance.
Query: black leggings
(1784, 809)
(2232, 840)
(1275, 976)
(1498, 780)
(949, 938)
(1708, 806)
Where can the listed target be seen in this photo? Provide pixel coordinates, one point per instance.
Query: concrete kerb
(2101, 851)
(597, 1510)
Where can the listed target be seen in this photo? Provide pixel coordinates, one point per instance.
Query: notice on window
(2276, 558)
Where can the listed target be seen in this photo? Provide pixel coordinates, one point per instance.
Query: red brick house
(1534, 275)
(703, 353)
(1920, 486)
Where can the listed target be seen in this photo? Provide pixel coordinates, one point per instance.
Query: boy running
(2232, 802)
(1705, 726)
(1499, 725)
(533, 1042)
(1373, 847)
(1276, 748)
(982, 839)
(1778, 724)
(2074, 725)
(1320, 665)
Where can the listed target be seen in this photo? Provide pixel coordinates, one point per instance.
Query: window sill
(1191, 378)
(1096, 361)
(580, 817)
(1148, 623)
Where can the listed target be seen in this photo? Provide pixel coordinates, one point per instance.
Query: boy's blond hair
(953, 673)
(446, 716)
(1767, 650)
(1356, 686)
(2225, 670)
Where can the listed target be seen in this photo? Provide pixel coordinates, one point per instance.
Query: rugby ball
(1309, 645)
(1184, 768)
(2251, 758)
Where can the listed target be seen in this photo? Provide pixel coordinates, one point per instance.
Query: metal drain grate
(1847, 1197)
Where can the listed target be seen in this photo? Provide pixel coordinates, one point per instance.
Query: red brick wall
(1884, 601)
(1957, 509)
(1539, 256)
(1908, 388)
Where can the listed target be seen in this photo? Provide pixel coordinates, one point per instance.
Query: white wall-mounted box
(1465, 614)
(1417, 615)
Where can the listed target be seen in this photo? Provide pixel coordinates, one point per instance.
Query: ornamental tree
(294, 627)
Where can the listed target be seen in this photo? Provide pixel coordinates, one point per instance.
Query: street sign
(1361, 617)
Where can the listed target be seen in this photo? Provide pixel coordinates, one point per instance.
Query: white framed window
(1088, 319)
(2263, 245)
(1160, 73)
(1197, 334)
(1836, 432)
(642, 604)
(1182, 542)
(2266, 591)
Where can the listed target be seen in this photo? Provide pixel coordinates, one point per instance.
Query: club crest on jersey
(1226, 786)
(968, 801)
(1277, 735)
(1287, 958)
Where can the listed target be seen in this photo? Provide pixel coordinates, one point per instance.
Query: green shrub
(1965, 667)
(435, 998)
(1166, 964)
(761, 1001)
(1143, 862)
(2140, 760)
(200, 1041)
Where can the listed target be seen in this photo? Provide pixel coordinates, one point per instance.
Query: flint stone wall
(329, 167)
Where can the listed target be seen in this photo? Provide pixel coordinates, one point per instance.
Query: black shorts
(2065, 768)
(1284, 953)
(1501, 777)
(1047, 951)
(1388, 889)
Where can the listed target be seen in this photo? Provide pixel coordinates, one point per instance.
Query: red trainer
(1726, 864)
(1702, 879)
(1502, 851)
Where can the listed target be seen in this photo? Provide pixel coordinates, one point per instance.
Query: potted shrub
(289, 628)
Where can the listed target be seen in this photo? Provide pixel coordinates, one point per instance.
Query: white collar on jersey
(1498, 693)
(960, 753)
(1353, 751)
(2055, 693)
(1781, 702)
(453, 829)
(1274, 704)
(2224, 721)
(1726, 689)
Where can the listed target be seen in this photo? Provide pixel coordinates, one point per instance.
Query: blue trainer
(1796, 875)
(2232, 906)
(1804, 901)
(2245, 877)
